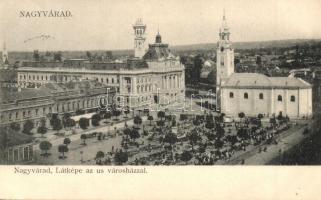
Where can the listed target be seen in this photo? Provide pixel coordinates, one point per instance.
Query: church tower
(5, 54)
(224, 60)
(140, 37)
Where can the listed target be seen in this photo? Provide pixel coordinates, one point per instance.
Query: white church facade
(253, 93)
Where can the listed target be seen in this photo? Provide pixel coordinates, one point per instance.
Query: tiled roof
(72, 85)
(9, 95)
(255, 80)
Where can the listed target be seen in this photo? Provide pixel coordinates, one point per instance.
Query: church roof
(255, 80)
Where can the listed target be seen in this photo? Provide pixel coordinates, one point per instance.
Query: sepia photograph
(160, 83)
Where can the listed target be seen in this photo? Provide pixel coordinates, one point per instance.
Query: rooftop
(12, 94)
(12, 138)
(255, 80)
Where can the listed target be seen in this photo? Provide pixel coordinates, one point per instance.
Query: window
(246, 95)
(36, 111)
(112, 80)
(292, 98)
(261, 95)
(107, 81)
(231, 94)
(102, 80)
(279, 98)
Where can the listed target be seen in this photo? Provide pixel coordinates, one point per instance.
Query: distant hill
(180, 48)
(248, 45)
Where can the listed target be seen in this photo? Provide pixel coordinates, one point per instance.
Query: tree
(127, 131)
(174, 122)
(210, 136)
(126, 111)
(241, 115)
(182, 117)
(45, 146)
(209, 125)
(134, 134)
(83, 123)
(83, 137)
(63, 149)
(107, 115)
(27, 127)
(160, 123)
(116, 113)
(260, 116)
(42, 130)
(67, 141)
(280, 116)
(89, 55)
(186, 156)
(99, 155)
(120, 157)
(218, 143)
(138, 120)
(161, 115)
(170, 138)
(55, 122)
(95, 120)
(58, 56)
(196, 122)
(220, 131)
(194, 138)
(36, 56)
(15, 126)
(150, 118)
(68, 122)
(243, 134)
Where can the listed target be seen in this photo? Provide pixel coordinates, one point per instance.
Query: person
(242, 162)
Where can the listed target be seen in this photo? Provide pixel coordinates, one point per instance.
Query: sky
(107, 24)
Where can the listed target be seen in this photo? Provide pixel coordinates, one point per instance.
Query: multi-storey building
(38, 103)
(253, 93)
(158, 77)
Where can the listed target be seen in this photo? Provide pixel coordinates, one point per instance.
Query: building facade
(158, 77)
(15, 148)
(253, 93)
(224, 60)
(36, 104)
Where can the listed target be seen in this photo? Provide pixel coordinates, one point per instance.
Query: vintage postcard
(198, 91)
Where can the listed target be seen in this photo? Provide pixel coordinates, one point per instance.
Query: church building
(253, 93)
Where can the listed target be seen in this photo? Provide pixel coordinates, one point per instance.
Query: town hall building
(253, 93)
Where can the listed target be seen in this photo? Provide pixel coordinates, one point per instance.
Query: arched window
(231, 94)
(279, 98)
(292, 98)
(261, 96)
(246, 95)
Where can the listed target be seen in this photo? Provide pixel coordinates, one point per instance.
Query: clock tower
(224, 60)
(140, 37)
